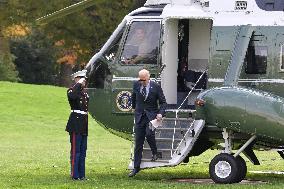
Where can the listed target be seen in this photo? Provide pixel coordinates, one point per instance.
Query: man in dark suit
(149, 103)
(77, 125)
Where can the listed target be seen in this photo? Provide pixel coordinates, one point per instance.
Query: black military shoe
(84, 178)
(133, 172)
(76, 179)
(154, 157)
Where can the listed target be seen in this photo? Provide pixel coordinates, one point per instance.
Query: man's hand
(159, 117)
(82, 80)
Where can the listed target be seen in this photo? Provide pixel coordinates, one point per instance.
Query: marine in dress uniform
(77, 125)
(149, 103)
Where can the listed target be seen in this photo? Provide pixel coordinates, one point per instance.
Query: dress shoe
(84, 178)
(154, 157)
(133, 172)
(76, 179)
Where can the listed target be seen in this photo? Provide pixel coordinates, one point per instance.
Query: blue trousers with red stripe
(78, 155)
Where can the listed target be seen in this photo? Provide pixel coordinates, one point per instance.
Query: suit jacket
(78, 100)
(154, 104)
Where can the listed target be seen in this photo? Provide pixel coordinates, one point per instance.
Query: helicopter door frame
(121, 86)
(198, 54)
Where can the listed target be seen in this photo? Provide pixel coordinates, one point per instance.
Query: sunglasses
(142, 80)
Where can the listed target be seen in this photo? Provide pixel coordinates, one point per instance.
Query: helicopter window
(148, 13)
(100, 77)
(282, 58)
(256, 60)
(112, 50)
(270, 5)
(142, 43)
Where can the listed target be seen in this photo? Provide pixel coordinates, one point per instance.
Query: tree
(139, 3)
(35, 58)
(87, 30)
(8, 70)
(80, 34)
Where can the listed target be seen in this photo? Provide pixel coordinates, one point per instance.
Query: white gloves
(82, 80)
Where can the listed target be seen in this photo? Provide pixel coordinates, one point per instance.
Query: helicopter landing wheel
(242, 169)
(224, 169)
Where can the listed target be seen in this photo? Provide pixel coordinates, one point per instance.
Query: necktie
(144, 91)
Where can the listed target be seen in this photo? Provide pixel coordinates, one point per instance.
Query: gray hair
(144, 72)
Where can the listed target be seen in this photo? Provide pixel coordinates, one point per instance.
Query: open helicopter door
(185, 54)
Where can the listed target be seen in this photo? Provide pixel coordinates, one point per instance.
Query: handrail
(173, 139)
(192, 89)
(132, 142)
(180, 110)
(184, 136)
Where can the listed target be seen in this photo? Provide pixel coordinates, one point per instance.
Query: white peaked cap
(81, 73)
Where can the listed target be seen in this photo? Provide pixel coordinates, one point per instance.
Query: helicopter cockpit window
(100, 76)
(142, 43)
(256, 60)
(112, 50)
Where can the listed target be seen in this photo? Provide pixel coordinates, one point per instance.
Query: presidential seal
(123, 101)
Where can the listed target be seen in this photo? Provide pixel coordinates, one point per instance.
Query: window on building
(256, 60)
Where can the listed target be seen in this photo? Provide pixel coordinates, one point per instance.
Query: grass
(34, 149)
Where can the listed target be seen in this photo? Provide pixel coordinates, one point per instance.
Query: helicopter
(220, 64)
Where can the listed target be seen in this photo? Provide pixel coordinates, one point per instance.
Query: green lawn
(34, 149)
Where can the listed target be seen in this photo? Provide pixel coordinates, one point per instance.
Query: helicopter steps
(174, 139)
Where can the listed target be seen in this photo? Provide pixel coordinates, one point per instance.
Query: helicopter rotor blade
(65, 11)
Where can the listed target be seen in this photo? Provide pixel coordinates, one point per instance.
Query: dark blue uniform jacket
(78, 100)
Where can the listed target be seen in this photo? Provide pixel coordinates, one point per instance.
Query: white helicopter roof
(210, 5)
(172, 2)
(223, 12)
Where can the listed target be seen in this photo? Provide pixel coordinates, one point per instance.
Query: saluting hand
(82, 81)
